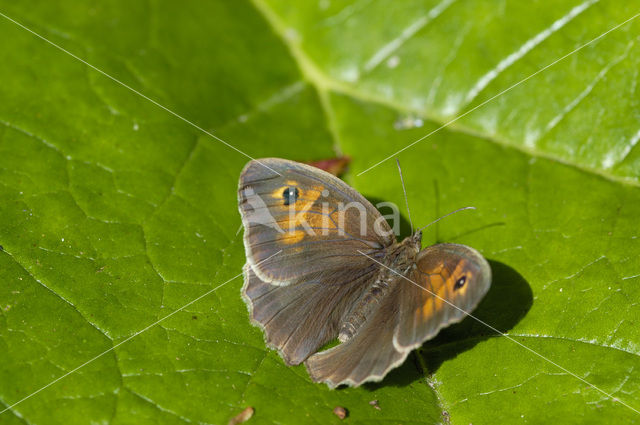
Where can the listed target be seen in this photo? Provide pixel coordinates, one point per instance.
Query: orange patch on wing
(311, 195)
(442, 292)
(440, 283)
(278, 193)
(427, 309)
(433, 286)
(292, 237)
(298, 211)
(304, 194)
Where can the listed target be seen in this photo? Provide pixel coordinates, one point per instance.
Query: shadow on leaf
(404, 227)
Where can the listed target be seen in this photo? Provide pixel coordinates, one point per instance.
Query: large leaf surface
(115, 213)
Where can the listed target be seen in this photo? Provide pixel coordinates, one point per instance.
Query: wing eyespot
(290, 195)
(460, 282)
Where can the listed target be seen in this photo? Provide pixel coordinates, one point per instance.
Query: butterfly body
(400, 257)
(322, 263)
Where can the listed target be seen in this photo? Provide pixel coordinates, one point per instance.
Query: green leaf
(115, 213)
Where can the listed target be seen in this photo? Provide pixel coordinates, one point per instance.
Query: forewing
(313, 220)
(449, 281)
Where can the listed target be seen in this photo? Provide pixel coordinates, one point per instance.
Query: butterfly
(323, 263)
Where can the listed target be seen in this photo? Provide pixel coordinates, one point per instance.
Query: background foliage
(114, 213)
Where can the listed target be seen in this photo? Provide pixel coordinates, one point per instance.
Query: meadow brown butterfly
(322, 263)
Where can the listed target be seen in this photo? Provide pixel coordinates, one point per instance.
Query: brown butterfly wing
(455, 273)
(298, 319)
(368, 355)
(313, 220)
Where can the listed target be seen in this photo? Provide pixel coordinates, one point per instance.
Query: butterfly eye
(460, 283)
(290, 195)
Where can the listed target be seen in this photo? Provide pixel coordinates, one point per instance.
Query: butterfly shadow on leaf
(403, 226)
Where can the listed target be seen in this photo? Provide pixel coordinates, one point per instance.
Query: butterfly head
(412, 244)
(414, 241)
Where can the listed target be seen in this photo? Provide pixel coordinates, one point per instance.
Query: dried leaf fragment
(242, 417)
(340, 412)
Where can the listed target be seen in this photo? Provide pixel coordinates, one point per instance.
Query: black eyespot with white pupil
(460, 283)
(290, 195)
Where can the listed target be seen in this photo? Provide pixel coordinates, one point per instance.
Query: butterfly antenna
(406, 200)
(446, 215)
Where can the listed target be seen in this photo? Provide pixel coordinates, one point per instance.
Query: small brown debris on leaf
(340, 412)
(375, 404)
(335, 166)
(242, 417)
